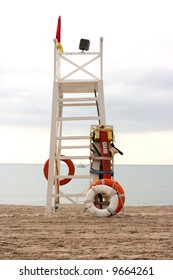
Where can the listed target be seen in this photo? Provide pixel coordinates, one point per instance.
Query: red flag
(58, 30)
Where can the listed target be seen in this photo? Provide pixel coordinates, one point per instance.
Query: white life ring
(113, 199)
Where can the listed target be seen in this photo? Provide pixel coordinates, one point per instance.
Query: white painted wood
(52, 149)
(78, 104)
(77, 99)
(78, 86)
(101, 103)
(86, 88)
(72, 176)
(78, 118)
(71, 157)
(75, 147)
(76, 137)
(70, 195)
(80, 68)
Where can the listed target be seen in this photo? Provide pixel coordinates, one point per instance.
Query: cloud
(138, 80)
(135, 100)
(25, 97)
(145, 147)
(140, 100)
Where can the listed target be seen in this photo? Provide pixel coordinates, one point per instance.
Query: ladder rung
(78, 118)
(73, 137)
(69, 194)
(72, 176)
(72, 157)
(75, 147)
(72, 100)
(79, 53)
(78, 104)
(77, 99)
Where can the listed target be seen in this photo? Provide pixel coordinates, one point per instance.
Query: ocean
(144, 185)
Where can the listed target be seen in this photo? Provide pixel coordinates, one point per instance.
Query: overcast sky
(138, 73)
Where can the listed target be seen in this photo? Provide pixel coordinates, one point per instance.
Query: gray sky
(138, 72)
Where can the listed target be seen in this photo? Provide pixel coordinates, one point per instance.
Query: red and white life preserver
(117, 187)
(71, 171)
(112, 198)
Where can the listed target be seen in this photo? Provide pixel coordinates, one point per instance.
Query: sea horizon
(88, 164)
(144, 184)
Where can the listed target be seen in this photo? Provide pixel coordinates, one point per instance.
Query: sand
(138, 233)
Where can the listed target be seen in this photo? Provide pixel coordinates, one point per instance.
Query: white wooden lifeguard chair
(77, 84)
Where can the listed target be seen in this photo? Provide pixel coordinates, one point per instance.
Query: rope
(101, 172)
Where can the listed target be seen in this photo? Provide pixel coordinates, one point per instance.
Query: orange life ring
(62, 181)
(116, 186)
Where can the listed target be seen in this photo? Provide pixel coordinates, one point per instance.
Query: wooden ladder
(77, 103)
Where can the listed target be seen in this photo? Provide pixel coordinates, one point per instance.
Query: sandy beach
(144, 232)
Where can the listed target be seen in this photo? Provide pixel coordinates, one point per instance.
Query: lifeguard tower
(78, 100)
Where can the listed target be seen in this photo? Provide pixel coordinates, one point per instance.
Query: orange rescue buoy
(62, 181)
(116, 186)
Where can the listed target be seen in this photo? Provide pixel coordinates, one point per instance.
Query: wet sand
(144, 232)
